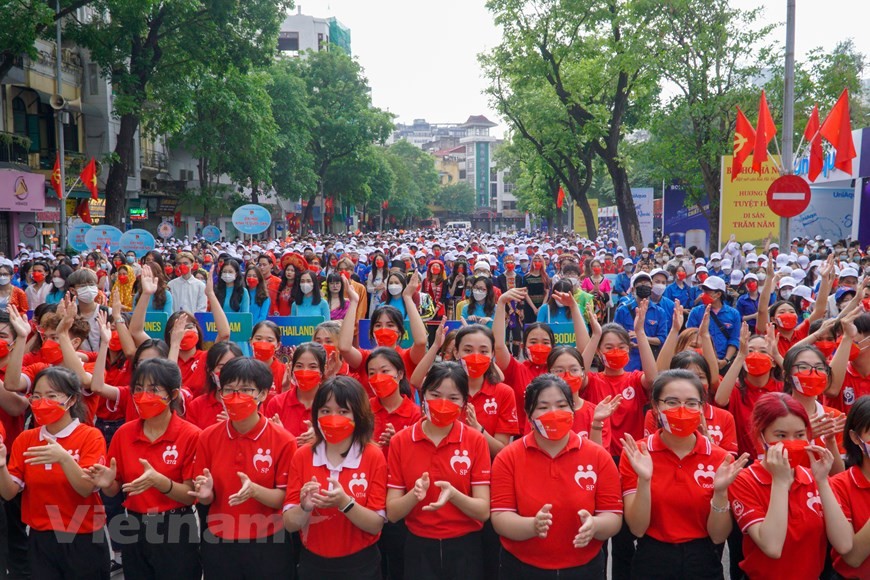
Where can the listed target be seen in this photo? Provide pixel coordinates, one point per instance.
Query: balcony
(154, 160)
(13, 148)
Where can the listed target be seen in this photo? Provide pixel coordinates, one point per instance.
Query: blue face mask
(131, 259)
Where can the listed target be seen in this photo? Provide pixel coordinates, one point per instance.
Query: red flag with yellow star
(89, 177)
(56, 185)
(744, 143)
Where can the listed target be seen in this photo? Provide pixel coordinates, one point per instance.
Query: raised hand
(421, 486)
(640, 316)
(543, 520)
(148, 282)
(638, 457)
(727, 472)
(105, 327)
(18, 321)
(679, 316)
(606, 408)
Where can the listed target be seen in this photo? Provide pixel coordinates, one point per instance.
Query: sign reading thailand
(103, 237)
(296, 330)
(140, 242)
(252, 219)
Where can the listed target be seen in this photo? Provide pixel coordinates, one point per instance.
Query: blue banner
(686, 226)
(155, 324)
(241, 326)
(76, 237)
(103, 237)
(829, 215)
(564, 333)
(138, 241)
(296, 330)
(211, 233)
(252, 219)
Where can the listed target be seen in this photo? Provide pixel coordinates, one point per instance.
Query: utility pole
(60, 115)
(788, 112)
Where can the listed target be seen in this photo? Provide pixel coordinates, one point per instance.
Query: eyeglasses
(690, 404)
(49, 396)
(250, 391)
(152, 390)
(806, 367)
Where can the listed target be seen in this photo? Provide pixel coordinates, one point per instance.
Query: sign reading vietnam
(102, 237)
(252, 219)
(140, 242)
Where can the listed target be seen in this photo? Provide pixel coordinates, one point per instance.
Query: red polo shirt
(462, 458)
(801, 331)
(496, 409)
(628, 417)
(680, 490)
(361, 372)
(203, 410)
(171, 454)
(12, 426)
(853, 494)
(405, 415)
(720, 427)
(119, 375)
(803, 554)
(264, 454)
(290, 410)
(48, 494)
(363, 475)
(583, 424)
(740, 406)
(518, 376)
(855, 386)
(581, 476)
(193, 372)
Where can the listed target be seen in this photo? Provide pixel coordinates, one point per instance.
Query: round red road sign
(788, 196)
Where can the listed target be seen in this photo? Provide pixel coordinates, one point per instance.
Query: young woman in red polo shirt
(439, 482)
(151, 460)
(208, 409)
(265, 341)
(754, 372)
(555, 495)
(852, 488)
(327, 334)
(784, 503)
(675, 486)
(338, 487)
(293, 406)
(46, 465)
(243, 466)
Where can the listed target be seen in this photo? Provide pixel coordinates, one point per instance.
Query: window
(508, 187)
(493, 174)
(509, 205)
(462, 174)
(493, 189)
(320, 45)
(288, 41)
(94, 78)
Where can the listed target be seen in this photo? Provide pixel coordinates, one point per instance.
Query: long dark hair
(238, 286)
(284, 281)
(491, 376)
(857, 421)
(64, 272)
(163, 373)
(341, 293)
(213, 357)
(299, 296)
(261, 295)
(489, 301)
(349, 394)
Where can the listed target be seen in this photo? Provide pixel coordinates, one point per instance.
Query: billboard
(686, 226)
(743, 206)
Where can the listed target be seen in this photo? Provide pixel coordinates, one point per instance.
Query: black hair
(489, 300)
(858, 421)
(348, 394)
(213, 357)
(298, 295)
(559, 351)
(537, 386)
(682, 360)
(491, 375)
(314, 348)
(160, 372)
(446, 370)
(67, 382)
(668, 377)
(791, 358)
(247, 371)
(276, 330)
(395, 316)
(535, 326)
(159, 345)
(238, 287)
(395, 359)
(260, 292)
(862, 323)
(332, 277)
(563, 285)
(167, 331)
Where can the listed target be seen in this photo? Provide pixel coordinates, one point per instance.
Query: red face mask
(123, 278)
(38, 277)
(476, 365)
(616, 358)
(168, 270)
(252, 282)
(379, 263)
(383, 385)
(510, 266)
(681, 275)
(752, 285)
(47, 411)
(538, 353)
(866, 304)
(436, 269)
(681, 421)
(189, 340)
(574, 382)
(336, 428)
(239, 406)
(554, 425)
(333, 263)
(329, 348)
(307, 379)
(797, 452)
(596, 270)
(826, 346)
(4, 348)
(115, 342)
(810, 383)
(441, 412)
(51, 353)
(183, 270)
(263, 350)
(787, 320)
(707, 300)
(386, 337)
(702, 276)
(91, 264)
(207, 260)
(758, 364)
(149, 405)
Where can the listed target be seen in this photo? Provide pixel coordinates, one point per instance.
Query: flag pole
(788, 109)
(61, 238)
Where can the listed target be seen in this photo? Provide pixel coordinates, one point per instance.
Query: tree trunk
(577, 189)
(116, 183)
(624, 202)
(255, 194)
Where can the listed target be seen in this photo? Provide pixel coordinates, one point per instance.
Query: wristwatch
(348, 507)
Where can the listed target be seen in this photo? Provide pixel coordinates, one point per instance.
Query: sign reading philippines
(102, 236)
(252, 219)
(140, 242)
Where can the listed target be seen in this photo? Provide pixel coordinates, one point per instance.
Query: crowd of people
(436, 426)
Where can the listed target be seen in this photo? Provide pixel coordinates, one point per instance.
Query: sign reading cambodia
(138, 241)
(21, 191)
(252, 219)
(103, 237)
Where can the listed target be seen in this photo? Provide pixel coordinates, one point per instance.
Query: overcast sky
(420, 56)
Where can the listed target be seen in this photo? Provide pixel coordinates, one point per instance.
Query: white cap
(736, 277)
(659, 271)
(747, 247)
(750, 276)
(700, 262)
(678, 252)
(799, 275)
(639, 275)
(714, 283)
(787, 281)
(848, 271)
(715, 256)
(804, 292)
(751, 258)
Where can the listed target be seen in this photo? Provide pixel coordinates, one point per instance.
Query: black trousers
(622, 548)
(17, 541)
(113, 504)
(363, 565)
(511, 568)
(256, 559)
(697, 559)
(161, 546)
(66, 556)
(454, 558)
(491, 551)
(392, 548)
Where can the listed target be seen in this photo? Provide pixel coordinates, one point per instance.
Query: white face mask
(479, 295)
(785, 294)
(658, 289)
(306, 287)
(87, 295)
(228, 277)
(395, 289)
(4, 280)
(58, 282)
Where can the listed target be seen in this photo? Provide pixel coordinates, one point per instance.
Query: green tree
(456, 198)
(416, 182)
(363, 180)
(151, 48)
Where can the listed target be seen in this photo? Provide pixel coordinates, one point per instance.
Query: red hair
(772, 406)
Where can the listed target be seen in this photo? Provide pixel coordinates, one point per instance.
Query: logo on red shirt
(263, 462)
(170, 456)
(849, 395)
(705, 476)
(358, 481)
(460, 459)
(737, 508)
(490, 407)
(628, 393)
(715, 433)
(586, 475)
(814, 502)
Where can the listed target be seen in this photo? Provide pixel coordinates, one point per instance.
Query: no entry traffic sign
(788, 196)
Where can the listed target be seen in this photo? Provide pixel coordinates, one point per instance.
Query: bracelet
(171, 485)
(719, 510)
(349, 506)
(598, 426)
(482, 430)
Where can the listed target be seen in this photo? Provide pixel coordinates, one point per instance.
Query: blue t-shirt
(729, 319)
(309, 309)
(657, 324)
(557, 316)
